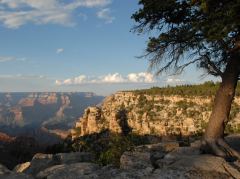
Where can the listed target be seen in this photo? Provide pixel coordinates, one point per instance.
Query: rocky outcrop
(22, 167)
(40, 162)
(7, 174)
(151, 114)
(156, 161)
(49, 109)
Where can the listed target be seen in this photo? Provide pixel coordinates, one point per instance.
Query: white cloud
(113, 78)
(60, 50)
(105, 14)
(174, 80)
(88, 3)
(22, 76)
(109, 78)
(15, 13)
(141, 77)
(9, 58)
(80, 79)
(74, 81)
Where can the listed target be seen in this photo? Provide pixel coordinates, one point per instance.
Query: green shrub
(108, 147)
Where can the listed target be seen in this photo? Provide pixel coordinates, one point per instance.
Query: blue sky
(75, 45)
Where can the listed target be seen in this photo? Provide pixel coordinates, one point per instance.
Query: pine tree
(201, 32)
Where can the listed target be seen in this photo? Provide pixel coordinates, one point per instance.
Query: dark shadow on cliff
(123, 121)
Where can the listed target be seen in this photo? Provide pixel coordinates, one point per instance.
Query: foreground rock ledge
(156, 161)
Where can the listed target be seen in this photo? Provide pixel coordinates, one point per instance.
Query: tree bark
(213, 137)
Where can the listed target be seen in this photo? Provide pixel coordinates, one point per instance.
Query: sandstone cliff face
(151, 114)
(42, 98)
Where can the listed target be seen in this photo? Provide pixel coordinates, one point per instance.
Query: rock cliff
(153, 114)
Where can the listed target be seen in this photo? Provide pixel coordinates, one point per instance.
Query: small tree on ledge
(201, 32)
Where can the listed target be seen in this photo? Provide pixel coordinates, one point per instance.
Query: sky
(76, 45)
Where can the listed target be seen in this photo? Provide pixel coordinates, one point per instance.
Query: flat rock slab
(200, 166)
(16, 176)
(182, 151)
(71, 171)
(135, 160)
(74, 157)
(186, 173)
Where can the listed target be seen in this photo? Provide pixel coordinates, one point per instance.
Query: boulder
(136, 160)
(71, 171)
(74, 157)
(201, 162)
(182, 151)
(22, 167)
(39, 163)
(16, 176)
(42, 161)
(186, 173)
(195, 166)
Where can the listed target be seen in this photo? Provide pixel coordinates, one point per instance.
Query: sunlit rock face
(151, 114)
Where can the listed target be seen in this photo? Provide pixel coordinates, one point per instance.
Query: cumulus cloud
(15, 13)
(141, 77)
(109, 78)
(113, 78)
(60, 50)
(105, 14)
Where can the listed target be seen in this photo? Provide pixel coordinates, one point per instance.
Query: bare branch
(215, 68)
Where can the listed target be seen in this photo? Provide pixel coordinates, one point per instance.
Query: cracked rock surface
(165, 160)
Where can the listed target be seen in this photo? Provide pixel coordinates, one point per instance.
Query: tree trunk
(213, 138)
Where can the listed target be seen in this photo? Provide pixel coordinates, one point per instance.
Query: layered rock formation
(42, 98)
(151, 114)
(22, 109)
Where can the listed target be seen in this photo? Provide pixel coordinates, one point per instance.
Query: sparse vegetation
(207, 89)
(108, 147)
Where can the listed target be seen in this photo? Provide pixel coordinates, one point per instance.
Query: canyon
(35, 113)
(31, 122)
(152, 114)
(130, 134)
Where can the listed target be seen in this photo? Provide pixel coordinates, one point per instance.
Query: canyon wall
(155, 114)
